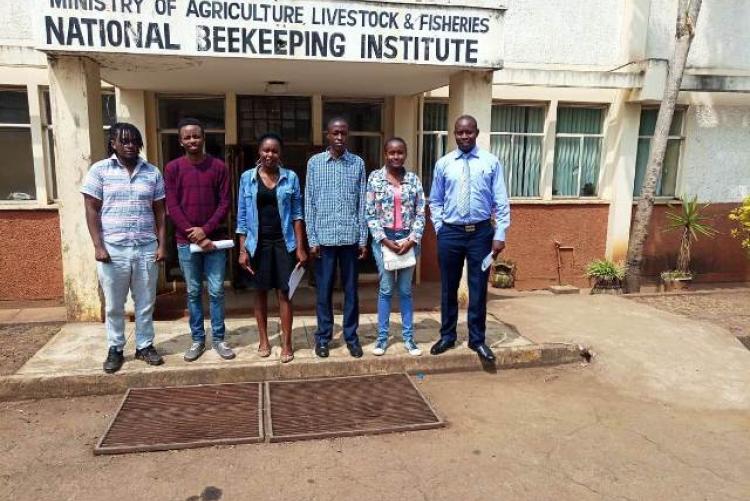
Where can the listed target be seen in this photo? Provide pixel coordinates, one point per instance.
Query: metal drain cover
(183, 417)
(336, 407)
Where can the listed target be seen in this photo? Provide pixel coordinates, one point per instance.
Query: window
(172, 109)
(288, 117)
(109, 118)
(434, 139)
(666, 185)
(365, 128)
(516, 139)
(17, 164)
(578, 151)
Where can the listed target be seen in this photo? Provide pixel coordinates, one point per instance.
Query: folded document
(219, 244)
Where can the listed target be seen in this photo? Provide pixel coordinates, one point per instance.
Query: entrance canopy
(304, 46)
(252, 76)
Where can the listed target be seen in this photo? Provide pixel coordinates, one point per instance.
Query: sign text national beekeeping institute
(306, 29)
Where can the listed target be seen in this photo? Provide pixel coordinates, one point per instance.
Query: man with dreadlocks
(124, 200)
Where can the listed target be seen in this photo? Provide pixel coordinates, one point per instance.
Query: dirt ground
(554, 433)
(730, 310)
(18, 342)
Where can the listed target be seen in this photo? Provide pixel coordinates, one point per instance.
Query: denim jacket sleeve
(371, 212)
(417, 227)
(241, 209)
(296, 199)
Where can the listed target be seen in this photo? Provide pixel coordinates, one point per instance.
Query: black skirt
(272, 265)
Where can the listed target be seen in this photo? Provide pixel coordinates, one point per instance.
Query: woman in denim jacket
(395, 216)
(269, 222)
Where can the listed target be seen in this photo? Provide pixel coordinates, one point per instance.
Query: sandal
(264, 352)
(286, 358)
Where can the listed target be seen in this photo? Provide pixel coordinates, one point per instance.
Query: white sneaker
(412, 348)
(380, 347)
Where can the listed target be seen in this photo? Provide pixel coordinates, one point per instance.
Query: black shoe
(355, 349)
(149, 355)
(442, 346)
(114, 361)
(321, 350)
(484, 352)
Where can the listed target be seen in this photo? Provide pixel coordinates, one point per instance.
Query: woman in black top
(269, 221)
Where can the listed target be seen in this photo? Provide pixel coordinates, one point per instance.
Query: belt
(469, 228)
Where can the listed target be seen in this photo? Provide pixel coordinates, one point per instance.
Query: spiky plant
(690, 221)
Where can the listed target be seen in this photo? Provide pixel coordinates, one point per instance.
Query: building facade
(565, 93)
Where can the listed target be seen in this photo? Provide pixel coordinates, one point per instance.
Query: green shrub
(605, 269)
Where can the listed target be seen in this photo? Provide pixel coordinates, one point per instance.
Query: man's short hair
(469, 118)
(336, 120)
(190, 121)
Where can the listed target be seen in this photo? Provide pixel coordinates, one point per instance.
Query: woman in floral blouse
(395, 216)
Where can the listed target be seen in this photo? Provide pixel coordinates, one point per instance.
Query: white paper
(295, 278)
(487, 262)
(220, 244)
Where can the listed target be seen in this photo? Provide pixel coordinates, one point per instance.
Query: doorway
(291, 118)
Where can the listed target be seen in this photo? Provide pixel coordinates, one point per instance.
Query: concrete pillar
(317, 120)
(621, 133)
(231, 133)
(79, 141)
(470, 93)
(548, 155)
(42, 177)
(131, 108)
(152, 131)
(406, 126)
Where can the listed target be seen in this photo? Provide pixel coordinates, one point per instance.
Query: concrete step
(70, 364)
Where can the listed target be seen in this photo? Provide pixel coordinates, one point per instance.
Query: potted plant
(691, 222)
(607, 276)
(503, 274)
(741, 217)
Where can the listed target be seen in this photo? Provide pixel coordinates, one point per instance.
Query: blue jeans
(454, 246)
(194, 266)
(132, 268)
(325, 274)
(389, 280)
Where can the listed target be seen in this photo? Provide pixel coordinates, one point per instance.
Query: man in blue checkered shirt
(336, 231)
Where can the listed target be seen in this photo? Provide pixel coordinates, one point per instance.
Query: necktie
(464, 192)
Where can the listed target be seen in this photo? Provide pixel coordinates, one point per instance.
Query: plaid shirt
(127, 213)
(335, 193)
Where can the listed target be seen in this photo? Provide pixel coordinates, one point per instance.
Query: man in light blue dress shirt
(468, 192)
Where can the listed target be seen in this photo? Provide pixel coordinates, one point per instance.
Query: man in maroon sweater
(197, 187)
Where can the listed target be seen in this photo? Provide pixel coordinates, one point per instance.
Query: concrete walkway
(648, 353)
(24, 315)
(70, 363)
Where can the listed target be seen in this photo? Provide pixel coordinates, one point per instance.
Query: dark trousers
(455, 245)
(325, 274)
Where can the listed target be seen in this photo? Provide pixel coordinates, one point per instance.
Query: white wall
(722, 39)
(716, 159)
(16, 22)
(568, 32)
